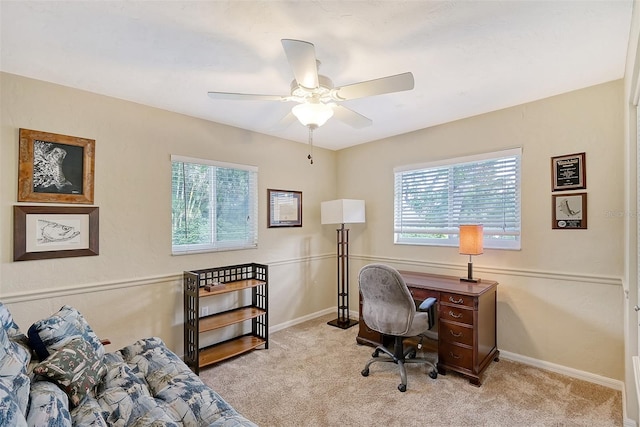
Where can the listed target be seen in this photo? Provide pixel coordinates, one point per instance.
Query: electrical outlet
(204, 311)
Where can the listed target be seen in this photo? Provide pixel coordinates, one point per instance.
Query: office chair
(389, 308)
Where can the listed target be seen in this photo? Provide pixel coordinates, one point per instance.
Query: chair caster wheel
(411, 355)
(433, 374)
(365, 372)
(375, 354)
(402, 387)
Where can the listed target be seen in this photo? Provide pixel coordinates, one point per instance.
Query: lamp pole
(343, 321)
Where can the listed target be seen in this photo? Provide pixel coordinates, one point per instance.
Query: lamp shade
(471, 239)
(342, 211)
(312, 113)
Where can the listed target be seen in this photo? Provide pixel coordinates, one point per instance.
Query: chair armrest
(426, 304)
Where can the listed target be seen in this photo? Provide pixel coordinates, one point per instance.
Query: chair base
(400, 357)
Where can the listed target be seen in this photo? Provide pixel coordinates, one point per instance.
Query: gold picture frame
(284, 208)
(43, 232)
(55, 168)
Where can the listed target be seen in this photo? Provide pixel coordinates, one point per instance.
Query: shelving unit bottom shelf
(228, 349)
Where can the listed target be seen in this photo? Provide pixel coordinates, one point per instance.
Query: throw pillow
(50, 334)
(76, 368)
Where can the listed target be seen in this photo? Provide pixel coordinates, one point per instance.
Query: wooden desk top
(446, 283)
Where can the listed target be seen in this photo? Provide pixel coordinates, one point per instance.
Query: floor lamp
(342, 211)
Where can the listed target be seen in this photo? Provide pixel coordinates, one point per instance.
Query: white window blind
(214, 205)
(432, 200)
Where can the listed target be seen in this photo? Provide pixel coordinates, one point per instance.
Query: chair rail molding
(538, 274)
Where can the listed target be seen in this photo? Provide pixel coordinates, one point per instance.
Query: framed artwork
(569, 211)
(55, 168)
(285, 208)
(43, 232)
(568, 172)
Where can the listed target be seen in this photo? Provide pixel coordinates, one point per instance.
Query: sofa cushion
(54, 332)
(182, 392)
(14, 359)
(75, 367)
(10, 412)
(89, 413)
(48, 405)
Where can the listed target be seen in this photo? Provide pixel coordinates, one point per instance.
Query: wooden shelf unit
(225, 280)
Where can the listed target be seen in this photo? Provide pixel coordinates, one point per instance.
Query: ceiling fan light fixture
(312, 113)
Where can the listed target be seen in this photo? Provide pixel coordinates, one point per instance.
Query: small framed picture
(55, 168)
(568, 172)
(285, 208)
(42, 232)
(569, 211)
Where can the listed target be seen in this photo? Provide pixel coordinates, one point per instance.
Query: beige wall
(133, 289)
(560, 296)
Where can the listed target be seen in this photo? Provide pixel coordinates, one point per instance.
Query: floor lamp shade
(342, 211)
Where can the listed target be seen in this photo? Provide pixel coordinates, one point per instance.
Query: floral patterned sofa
(61, 376)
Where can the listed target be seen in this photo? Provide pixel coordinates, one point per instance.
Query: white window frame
(494, 238)
(251, 237)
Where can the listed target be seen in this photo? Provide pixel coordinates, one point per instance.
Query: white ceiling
(467, 57)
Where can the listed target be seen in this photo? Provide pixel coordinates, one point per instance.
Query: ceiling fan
(318, 100)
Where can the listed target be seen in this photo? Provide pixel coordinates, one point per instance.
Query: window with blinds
(214, 206)
(432, 200)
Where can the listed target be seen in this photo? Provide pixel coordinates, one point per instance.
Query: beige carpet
(310, 376)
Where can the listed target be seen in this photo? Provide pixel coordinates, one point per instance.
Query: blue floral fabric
(56, 331)
(188, 399)
(14, 379)
(145, 384)
(48, 406)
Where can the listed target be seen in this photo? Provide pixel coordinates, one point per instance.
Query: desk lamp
(340, 212)
(470, 244)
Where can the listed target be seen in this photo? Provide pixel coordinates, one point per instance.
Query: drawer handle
(455, 316)
(456, 301)
(455, 356)
(457, 335)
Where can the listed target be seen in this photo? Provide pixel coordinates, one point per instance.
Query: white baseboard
(564, 370)
(302, 319)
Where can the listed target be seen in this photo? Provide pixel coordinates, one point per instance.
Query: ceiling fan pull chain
(310, 156)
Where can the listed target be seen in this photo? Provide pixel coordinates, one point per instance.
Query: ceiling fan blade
(350, 117)
(302, 59)
(285, 122)
(246, 96)
(390, 84)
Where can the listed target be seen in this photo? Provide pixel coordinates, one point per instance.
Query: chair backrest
(387, 304)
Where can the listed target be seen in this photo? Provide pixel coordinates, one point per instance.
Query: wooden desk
(466, 314)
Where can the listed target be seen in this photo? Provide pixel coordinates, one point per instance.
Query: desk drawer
(420, 294)
(457, 299)
(456, 314)
(454, 355)
(453, 332)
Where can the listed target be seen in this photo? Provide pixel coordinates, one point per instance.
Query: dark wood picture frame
(43, 232)
(284, 208)
(568, 172)
(569, 211)
(55, 168)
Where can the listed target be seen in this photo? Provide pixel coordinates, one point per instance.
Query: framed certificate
(285, 208)
(568, 172)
